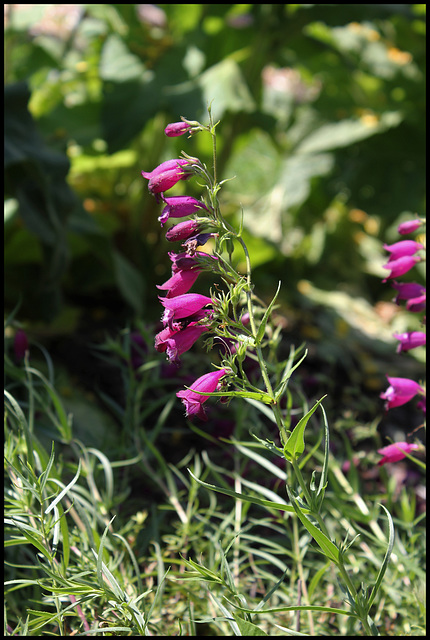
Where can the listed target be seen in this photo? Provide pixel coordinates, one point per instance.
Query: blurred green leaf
(129, 281)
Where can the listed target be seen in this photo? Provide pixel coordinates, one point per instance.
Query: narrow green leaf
(386, 560)
(327, 546)
(324, 471)
(65, 490)
(308, 607)
(295, 444)
(246, 498)
(34, 541)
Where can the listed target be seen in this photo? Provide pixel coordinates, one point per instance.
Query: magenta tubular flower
(176, 129)
(408, 227)
(400, 391)
(400, 266)
(176, 163)
(20, 344)
(410, 340)
(408, 290)
(395, 452)
(413, 293)
(402, 248)
(180, 282)
(179, 207)
(416, 304)
(175, 343)
(183, 230)
(182, 306)
(164, 181)
(207, 383)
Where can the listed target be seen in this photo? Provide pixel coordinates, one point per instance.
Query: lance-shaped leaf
(295, 444)
(386, 560)
(326, 545)
(279, 506)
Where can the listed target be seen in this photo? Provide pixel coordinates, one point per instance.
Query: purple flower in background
(138, 349)
(208, 383)
(400, 391)
(400, 266)
(183, 230)
(182, 306)
(408, 227)
(402, 248)
(177, 129)
(410, 340)
(20, 344)
(175, 343)
(180, 282)
(179, 207)
(395, 452)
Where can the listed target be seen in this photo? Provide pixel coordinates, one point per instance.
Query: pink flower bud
(395, 452)
(183, 230)
(408, 227)
(176, 129)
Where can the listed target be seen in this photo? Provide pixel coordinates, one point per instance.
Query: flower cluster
(402, 390)
(187, 316)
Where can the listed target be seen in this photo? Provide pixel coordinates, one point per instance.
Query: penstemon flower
(395, 452)
(207, 383)
(180, 282)
(409, 226)
(400, 391)
(177, 342)
(410, 340)
(183, 306)
(400, 266)
(179, 207)
(183, 230)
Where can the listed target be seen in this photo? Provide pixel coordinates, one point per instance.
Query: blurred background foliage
(322, 127)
